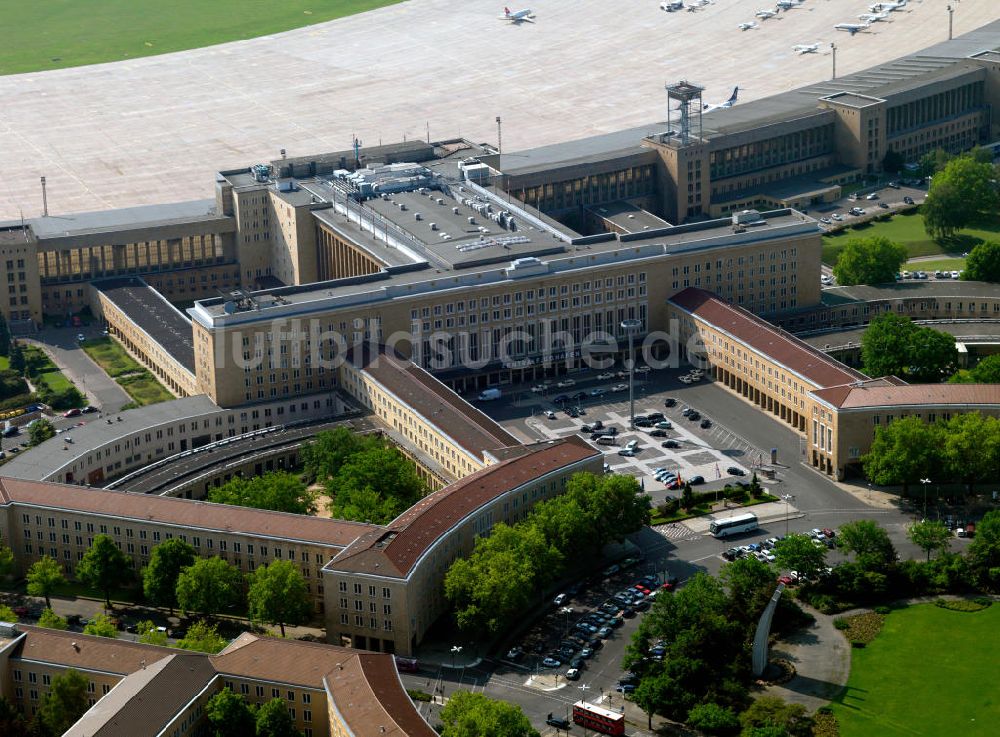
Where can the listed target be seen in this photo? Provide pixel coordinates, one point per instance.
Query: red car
(75, 412)
(642, 588)
(668, 586)
(829, 533)
(787, 580)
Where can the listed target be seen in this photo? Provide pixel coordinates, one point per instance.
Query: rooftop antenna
(428, 131)
(357, 149)
(689, 97)
(45, 200)
(283, 154)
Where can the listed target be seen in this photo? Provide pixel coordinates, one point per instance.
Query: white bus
(734, 525)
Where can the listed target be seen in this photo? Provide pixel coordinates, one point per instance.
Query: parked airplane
(852, 28)
(874, 17)
(748, 26)
(671, 5)
(765, 14)
(518, 16)
(723, 105)
(788, 4)
(890, 6)
(805, 48)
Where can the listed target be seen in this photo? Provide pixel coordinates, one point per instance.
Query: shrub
(841, 624)
(883, 609)
(964, 605)
(825, 723)
(417, 695)
(861, 628)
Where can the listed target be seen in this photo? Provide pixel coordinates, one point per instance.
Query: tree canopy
(323, 456)
(229, 716)
(959, 195)
(104, 567)
(159, 578)
(44, 577)
(149, 634)
(470, 714)
(776, 718)
(278, 595)
(903, 452)
(930, 535)
(209, 586)
(869, 543)
(273, 720)
(986, 371)
(51, 620)
(983, 262)
(374, 485)
(6, 560)
(278, 491)
(66, 701)
(41, 431)
(491, 588)
(869, 261)
(101, 626)
(202, 637)
(971, 447)
(797, 553)
(894, 345)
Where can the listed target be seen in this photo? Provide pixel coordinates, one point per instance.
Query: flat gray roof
(41, 462)
(148, 309)
(910, 289)
(56, 226)
(628, 217)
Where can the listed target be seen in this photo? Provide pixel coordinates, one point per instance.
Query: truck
(489, 395)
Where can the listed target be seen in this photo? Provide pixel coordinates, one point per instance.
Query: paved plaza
(155, 129)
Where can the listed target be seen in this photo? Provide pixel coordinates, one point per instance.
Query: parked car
(606, 375)
(619, 388)
(560, 598)
(565, 383)
(549, 414)
(669, 402)
(557, 722)
(736, 471)
(670, 444)
(550, 662)
(908, 200)
(658, 433)
(625, 688)
(74, 412)
(515, 654)
(706, 423)
(695, 480)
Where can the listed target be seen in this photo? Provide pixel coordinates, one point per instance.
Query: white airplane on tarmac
(765, 14)
(671, 5)
(852, 28)
(874, 17)
(518, 16)
(805, 48)
(889, 6)
(748, 26)
(788, 4)
(723, 105)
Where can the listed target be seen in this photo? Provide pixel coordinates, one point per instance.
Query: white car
(694, 377)
(664, 425)
(632, 445)
(837, 216)
(538, 389)
(549, 414)
(606, 375)
(620, 388)
(684, 379)
(697, 372)
(81, 337)
(956, 274)
(597, 392)
(826, 280)
(628, 452)
(825, 221)
(566, 383)
(643, 370)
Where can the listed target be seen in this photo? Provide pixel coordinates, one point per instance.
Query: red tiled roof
(436, 403)
(183, 512)
(395, 550)
(808, 362)
(890, 395)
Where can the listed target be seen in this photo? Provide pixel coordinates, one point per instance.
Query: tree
(958, 196)
(44, 577)
(496, 584)
(4, 337)
(984, 552)
(12, 722)
(278, 595)
(104, 567)
(41, 431)
(930, 535)
(870, 543)
(934, 161)
(687, 496)
(159, 578)
(273, 720)
(202, 637)
(750, 584)
(6, 561)
(893, 345)
(653, 694)
(66, 701)
(797, 553)
(971, 447)
(869, 261)
(893, 161)
(711, 718)
(903, 452)
(615, 505)
(374, 485)
(279, 491)
(209, 586)
(149, 634)
(101, 626)
(986, 371)
(323, 456)
(7, 615)
(770, 711)
(51, 620)
(229, 716)
(470, 714)
(983, 263)
(17, 362)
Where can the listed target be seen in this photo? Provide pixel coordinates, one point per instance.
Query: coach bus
(734, 525)
(598, 719)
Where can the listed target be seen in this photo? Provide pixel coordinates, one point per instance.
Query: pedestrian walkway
(677, 531)
(822, 660)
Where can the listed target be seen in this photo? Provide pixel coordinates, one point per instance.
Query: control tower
(684, 105)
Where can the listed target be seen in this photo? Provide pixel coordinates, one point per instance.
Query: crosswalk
(676, 531)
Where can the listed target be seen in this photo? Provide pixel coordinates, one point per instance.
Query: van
(606, 440)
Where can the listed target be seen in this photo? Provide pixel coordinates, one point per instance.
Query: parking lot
(698, 449)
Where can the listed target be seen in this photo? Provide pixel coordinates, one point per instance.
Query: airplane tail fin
(736, 91)
(506, 11)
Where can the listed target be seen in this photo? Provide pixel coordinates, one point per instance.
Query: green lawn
(68, 33)
(4, 363)
(930, 672)
(908, 229)
(938, 264)
(145, 389)
(110, 356)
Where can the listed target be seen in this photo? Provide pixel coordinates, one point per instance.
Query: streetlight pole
(499, 137)
(567, 611)
(455, 650)
(583, 689)
(631, 327)
(951, 12)
(787, 498)
(924, 483)
(833, 50)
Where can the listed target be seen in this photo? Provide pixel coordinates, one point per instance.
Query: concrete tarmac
(155, 129)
